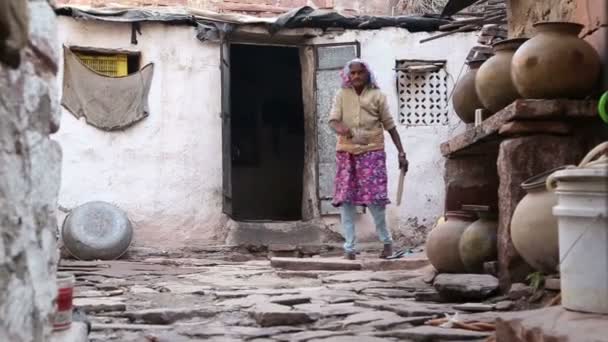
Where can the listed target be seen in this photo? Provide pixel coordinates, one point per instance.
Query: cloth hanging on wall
(108, 103)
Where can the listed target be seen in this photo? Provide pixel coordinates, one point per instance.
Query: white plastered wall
(164, 171)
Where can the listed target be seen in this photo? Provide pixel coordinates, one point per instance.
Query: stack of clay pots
(553, 64)
(463, 242)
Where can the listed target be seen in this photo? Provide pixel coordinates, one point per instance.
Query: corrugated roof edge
(303, 17)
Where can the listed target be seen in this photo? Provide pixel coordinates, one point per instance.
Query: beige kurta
(367, 115)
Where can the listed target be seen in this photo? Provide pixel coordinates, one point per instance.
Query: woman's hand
(341, 129)
(403, 163)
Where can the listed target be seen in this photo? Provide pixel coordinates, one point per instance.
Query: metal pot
(493, 81)
(555, 63)
(464, 98)
(97, 231)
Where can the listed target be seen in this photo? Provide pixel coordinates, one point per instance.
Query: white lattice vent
(423, 93)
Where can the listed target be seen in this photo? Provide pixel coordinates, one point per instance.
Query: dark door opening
(267, 133)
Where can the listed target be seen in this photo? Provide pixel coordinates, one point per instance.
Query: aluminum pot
(97, 231)
(555, 63)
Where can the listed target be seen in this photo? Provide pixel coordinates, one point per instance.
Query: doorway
(267, 133)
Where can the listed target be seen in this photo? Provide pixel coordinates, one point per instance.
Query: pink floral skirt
(361, 179)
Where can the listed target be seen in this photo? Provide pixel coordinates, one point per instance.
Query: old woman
(359, 117)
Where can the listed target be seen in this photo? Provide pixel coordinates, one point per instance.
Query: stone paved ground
(190, 299)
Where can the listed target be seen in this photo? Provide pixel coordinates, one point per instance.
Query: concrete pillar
(29, 170)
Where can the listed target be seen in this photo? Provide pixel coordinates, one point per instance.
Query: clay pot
(533, 226)
(478, 243)
(493, 82)
(464, 98)
(555, 63)
(442, 244)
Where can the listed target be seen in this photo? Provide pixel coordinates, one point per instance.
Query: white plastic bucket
(582, 213)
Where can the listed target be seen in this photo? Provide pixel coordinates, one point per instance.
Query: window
(109, 63)
(423, 92)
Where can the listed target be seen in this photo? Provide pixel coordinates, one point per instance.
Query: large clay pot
(555, 63)
(465, 97)
(493, 82)
(442, 244)
(533, 226)
(478, 243)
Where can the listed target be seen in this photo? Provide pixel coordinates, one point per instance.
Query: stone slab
(428, 296)
(204, 331)
(169, 315)
(390, 293)
(349, 277)
(372, 276)
(76, 333)
(314, 264)
(429, 333)
(330, 310)
(504, 305)
(366, 317)
(519, 110)
(406, 308)
(244, 302)
(351, 338)
(463, 287)
(473, 307)
(245, 293)
(128, 327)
(283, 233)
(405, 263)
(272, 315)
(309, 335)
(392, 322)
(519, 128)
(100, 304)
(302, 274)
(290, 300)
(551, 324)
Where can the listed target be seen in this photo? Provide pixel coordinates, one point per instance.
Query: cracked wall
(29, 178)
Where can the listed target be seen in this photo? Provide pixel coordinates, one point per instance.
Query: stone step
(412, 262)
